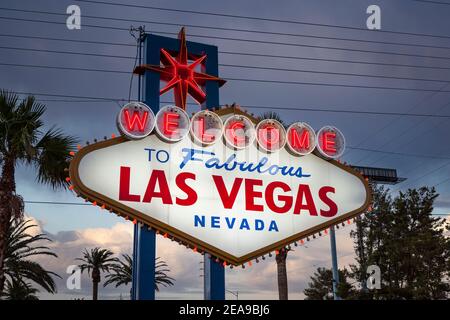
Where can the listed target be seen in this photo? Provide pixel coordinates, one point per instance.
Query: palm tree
(17, 289)
(95, 261)
(123, 273)
(161, 277)
(20, 246)
(272, 115)
(23, 140)
(281, 256)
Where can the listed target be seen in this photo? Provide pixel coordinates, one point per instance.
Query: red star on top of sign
(181, 76)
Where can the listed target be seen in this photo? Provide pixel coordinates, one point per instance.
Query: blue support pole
(334, 263)
(214, 275)
(214, 279)
(134, 266)
(144, 246)
(144, 264)
(144, 242)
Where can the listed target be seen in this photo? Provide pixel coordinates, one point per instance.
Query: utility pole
(362, 258)
(234, 293)
(141, 39)
(334, 263)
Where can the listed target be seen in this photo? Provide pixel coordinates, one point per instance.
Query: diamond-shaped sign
(236, 204)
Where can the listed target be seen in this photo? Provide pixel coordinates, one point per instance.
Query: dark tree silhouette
(20, 247)
(95, 261)
(121, 274)
(23, 141)
(321, 285)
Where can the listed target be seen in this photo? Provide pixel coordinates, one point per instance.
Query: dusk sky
(416, 144)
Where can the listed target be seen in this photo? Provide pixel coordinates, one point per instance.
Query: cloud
(256, 282)
(301, 264)
(69, 245)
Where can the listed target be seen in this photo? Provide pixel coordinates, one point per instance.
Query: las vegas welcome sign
(220, 181)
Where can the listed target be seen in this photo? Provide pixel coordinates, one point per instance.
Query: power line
(74, 100)
(22, 36)
(313, 109)
(256, 80)
(68, 96)
(334, 60)
(413, 138)
(336, 85)
(244, 40)
(303, 83)
(411, 127)
(411, 141)
(231, 29)
(429, 172)
(58, 203)
(101, 55)
(401, 153)
(103, 99)
(334, 73)
(410, 182)
(261, 19)
(414, 168)
(235, 53)
(309, 109)
(442, 182)
(433, 2)
(312, 46)
(63, 68)
(307, 71)
(222, 65)
(446, 164)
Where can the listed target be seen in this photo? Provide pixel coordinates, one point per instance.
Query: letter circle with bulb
(239, 131)
(301, 138)
(206, 127)
(330, 142)
(135, 120)
(172, 123)
(271, 135)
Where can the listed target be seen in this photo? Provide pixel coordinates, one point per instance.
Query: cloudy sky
(416, 146)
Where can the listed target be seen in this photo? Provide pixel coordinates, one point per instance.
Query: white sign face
(235, 204)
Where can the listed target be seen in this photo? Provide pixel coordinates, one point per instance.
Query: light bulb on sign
(172, 123)
(136, 120)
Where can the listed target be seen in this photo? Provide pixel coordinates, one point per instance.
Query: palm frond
(53, 156)
(8, 104)
(22, 245)
(122, 273)
(97, 258)
(22, 139)
(33, 271)
(18, 289)
(272, 115)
